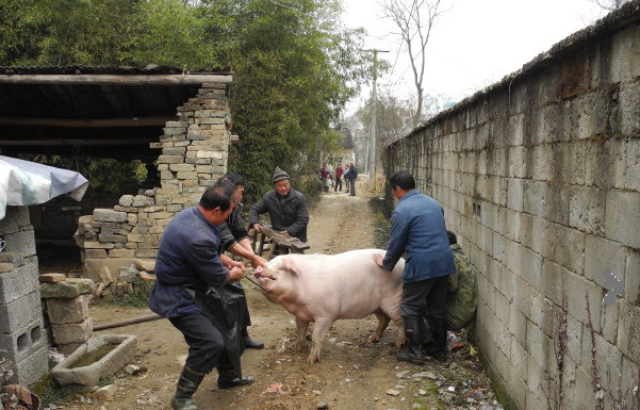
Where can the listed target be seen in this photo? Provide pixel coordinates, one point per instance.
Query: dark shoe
(252, 344)
(412, 350)
(187, 385)
(235, 382)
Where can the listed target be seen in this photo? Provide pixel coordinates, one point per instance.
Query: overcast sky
(473, 45)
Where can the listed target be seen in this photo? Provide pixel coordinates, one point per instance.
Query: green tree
(291, 66)
(104, 32)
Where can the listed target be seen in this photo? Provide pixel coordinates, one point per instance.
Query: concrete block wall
(22, 332)
(539, 176)
(194, 155)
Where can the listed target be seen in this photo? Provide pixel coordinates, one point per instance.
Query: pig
(324, 288)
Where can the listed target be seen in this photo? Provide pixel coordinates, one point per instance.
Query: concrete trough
(104, 356)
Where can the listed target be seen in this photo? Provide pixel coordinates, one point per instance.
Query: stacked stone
(132, 279)
(21, 321)
(67, 303)
(194, 155)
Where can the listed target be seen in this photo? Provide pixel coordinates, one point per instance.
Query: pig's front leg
(320, 329)
(302, 327)
(383, 322)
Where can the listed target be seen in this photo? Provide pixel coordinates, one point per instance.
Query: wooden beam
(128, 322)
(75, 142)
(88, 123)
(115, 79)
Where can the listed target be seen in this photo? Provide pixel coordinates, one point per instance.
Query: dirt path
(350, 375)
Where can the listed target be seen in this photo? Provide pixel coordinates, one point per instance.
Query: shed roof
(94, 111)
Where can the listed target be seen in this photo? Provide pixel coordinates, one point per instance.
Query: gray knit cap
(279, 175)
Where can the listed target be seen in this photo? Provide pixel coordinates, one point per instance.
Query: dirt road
(350, 375)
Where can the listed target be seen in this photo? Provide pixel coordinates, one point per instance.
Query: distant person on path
(346, 177)
(325, 177)
(235, 239)
(188, 263)
(352, 176)
(418, 228)
(339, 172)
(287, 208)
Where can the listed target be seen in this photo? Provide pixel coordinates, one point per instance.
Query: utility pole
(374, 105)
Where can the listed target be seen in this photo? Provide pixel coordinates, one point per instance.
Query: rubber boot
(187, 386)
(438, 346)
(250, 343)
(227, 378)
(427, 337)
(412, 350)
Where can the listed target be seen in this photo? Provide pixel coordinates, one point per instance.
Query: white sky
(473, 45)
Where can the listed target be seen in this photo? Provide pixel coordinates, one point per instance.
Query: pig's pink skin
(324, 288)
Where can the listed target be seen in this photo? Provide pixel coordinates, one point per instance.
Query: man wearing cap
(287, 208)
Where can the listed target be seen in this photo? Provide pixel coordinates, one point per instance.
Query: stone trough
(102, 356)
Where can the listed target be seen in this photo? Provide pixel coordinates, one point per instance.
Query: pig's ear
(290, 265)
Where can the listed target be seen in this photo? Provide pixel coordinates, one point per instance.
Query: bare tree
(610, 5)
(414, 19)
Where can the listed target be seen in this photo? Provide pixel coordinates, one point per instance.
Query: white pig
(324, 288)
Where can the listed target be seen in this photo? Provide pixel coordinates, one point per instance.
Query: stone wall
(22, 332)
(539, 176)
(194, 155)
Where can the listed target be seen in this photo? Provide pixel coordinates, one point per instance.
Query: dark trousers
(429, 292)
(338, 185)
(206, 346)
(352, 187)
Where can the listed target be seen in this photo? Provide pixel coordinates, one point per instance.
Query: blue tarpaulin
(29, 183)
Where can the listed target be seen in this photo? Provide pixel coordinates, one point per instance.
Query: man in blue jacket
(188, 259)
(418, 228)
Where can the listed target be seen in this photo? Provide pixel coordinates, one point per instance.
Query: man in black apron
(191, 292)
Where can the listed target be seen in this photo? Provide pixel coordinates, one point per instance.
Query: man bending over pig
(287, 208)
(188, 263)
(234, 238)
(418, 228)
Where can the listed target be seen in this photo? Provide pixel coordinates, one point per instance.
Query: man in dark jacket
(418, 228)
(188, 260)
(352, 175)
(234, 238)
(287, 208)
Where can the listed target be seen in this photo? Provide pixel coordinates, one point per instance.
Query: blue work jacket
(418, 228)
(187, 257)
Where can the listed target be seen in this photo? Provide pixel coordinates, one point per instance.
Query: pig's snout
(261, 273)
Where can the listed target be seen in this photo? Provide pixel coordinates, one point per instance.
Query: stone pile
(194, 154)
(133, 279)
(67, 305)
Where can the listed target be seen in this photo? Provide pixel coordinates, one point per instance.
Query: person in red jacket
(339, 172)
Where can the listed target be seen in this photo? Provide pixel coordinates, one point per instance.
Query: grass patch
(136, 301)
(383, 208)
(49, 393)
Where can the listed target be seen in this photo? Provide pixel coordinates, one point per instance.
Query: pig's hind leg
(402, 335)
(383, 322)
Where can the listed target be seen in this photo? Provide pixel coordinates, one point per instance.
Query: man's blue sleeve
(397, 240)
(205, 262)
